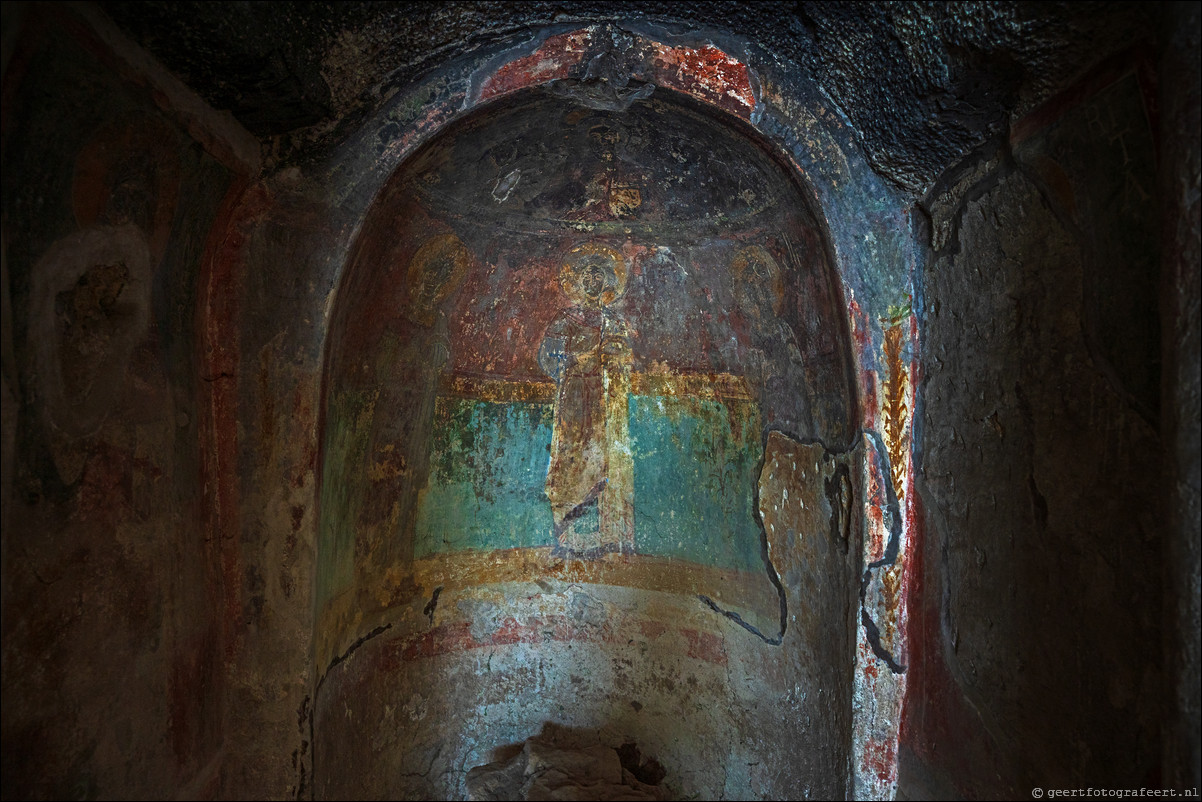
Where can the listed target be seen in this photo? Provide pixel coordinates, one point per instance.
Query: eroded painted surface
(1030, 537)
(1090, 163)
(647, 310)
(572, 329)
(113, 679)
(612, 652)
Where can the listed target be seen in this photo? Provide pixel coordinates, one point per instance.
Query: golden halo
(578, 257)
(444, 253)
(754, 264)
(759, 261)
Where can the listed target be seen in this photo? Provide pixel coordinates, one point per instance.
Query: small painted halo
(442, 260)
(580, 258)
(754, 266)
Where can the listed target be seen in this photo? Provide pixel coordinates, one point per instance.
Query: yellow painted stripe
(718, 386)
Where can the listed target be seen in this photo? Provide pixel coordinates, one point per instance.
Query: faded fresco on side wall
(568, 333)
(107, 204)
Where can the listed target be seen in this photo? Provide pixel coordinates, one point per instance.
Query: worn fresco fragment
(349, 418)
(586, 349)
(772, 360)
(881, 648)
(106, 503)
(94, 284)
(697, 462)
(398, 444)
(689, 455)
(488, 468)
(880, 685)
(638, 312)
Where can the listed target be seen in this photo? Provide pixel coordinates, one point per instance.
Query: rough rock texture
(922, 83)
(1181, 291)
(1040, 609)
(544, 769)
(926, 83)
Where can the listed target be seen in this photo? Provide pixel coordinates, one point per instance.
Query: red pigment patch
(870, 669)
(652, 629)
(193, 685)
(705, 646)
(457, 637)
(555, 59)
(106, 489)
(862, 334)
(218, 354)
(868, 391)
(937, 721)
(879, 759)
(437, 641)
(486, 340)
(708, 74)
(437, 115)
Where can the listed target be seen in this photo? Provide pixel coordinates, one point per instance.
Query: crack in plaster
(871, 631)
(738, 619)
(773, 576)
(350, 650)
(432, 605)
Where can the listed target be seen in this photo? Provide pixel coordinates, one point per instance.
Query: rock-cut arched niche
(586, 370)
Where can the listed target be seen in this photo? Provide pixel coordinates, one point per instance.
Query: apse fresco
(568, 333)
(598, 429)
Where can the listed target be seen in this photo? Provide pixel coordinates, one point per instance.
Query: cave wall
(1038, 615)
(1180, 130)
(167, 514)
(113, 626)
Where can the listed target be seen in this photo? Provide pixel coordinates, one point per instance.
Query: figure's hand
(616, 347)
(585, 361)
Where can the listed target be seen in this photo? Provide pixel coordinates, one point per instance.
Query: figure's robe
(587, 352)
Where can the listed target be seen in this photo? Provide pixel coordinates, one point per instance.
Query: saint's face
(431, 286)
(592, 282)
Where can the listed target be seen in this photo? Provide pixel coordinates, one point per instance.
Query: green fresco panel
(696, 467)
(487, 470)
(696, 464)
